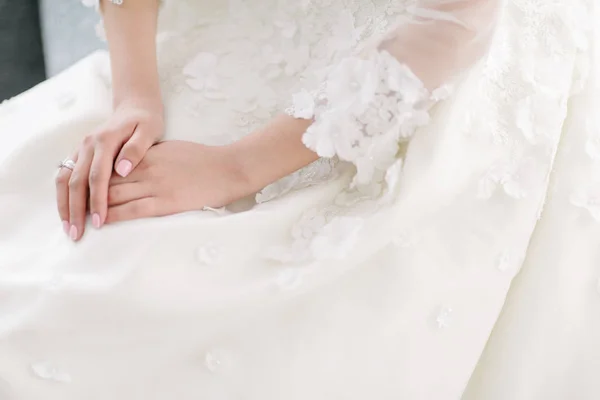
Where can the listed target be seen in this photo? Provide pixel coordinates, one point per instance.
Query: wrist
(270, 153)
(147, 101)
(240, 182)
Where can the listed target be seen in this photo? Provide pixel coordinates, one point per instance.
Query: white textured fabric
(460, 147)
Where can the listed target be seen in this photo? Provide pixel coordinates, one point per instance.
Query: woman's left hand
(175, 177)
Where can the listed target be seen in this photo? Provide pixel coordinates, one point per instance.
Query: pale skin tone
(127, 175)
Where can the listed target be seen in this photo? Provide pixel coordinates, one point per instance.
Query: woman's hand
(119, 144)
(175, 177)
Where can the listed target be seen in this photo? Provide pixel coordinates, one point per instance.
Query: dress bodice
(256, 54)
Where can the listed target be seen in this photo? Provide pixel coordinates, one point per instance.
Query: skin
(120, 143)
(128, 176)
(178, 176)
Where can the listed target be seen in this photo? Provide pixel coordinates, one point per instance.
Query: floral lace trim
(100, 32)
(96, 3)
(330, 231)
(363, 112)
(318, 172)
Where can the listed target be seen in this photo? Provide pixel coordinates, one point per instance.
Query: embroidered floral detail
(289, 278)
(365, 109)
(505, 262)
(218, 211)
(321, 234)
(443, 319)
(589, 200)
(208, 254)
(50, 372)
(218, 361)
(513, 177)
(318, 172)
(201, 73)
(592, 145)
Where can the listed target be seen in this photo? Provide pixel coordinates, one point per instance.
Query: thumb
(132, 152)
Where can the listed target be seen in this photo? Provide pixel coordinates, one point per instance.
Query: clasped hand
(122, 174)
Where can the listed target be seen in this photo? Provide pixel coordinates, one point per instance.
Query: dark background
(21, 52)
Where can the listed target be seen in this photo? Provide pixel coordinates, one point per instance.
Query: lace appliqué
(331, 231)
(362, 114)
(366, 108)
(316, 173)
(96, 3)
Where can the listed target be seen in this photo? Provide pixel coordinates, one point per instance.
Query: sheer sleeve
(371, 103)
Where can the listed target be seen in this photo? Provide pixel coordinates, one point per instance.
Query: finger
(133, 151)
(119, 180)
(99, 177)
(78, 192)
(127, 192)
(62, 194)
(142, 208)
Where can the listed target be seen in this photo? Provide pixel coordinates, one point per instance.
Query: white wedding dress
(446, 246)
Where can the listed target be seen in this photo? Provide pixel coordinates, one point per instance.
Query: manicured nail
(66, 227)
(96, 221)
(73, 232)
(124, 168)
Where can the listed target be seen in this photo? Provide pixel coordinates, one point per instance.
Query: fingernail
(96, 221)
(66, 227)
(73, 232)
(124, 168)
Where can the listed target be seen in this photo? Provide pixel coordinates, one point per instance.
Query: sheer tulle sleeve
(371, 103)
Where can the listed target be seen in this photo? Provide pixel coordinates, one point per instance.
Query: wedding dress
(445, 246)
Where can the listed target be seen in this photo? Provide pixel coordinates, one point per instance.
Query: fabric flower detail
(365, 109)
(512, 177)
(588, 200)
(202, 75)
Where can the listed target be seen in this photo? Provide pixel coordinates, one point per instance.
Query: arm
(367, 107)
(445, 38)
(136, 124)
(131, 33)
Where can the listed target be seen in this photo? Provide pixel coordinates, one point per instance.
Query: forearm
(273, 152)
(131, 33)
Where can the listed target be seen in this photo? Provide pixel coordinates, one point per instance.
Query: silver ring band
(67, 163)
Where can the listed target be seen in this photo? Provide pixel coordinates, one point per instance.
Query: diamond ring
(67, 163)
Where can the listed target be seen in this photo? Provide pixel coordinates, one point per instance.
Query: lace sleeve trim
(362, 113)
(96, 3)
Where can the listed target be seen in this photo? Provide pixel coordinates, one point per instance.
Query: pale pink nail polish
(66, 227)
(124, 168)
(96, 221)
(73, 232)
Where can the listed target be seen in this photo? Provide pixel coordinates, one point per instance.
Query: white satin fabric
(469, 269)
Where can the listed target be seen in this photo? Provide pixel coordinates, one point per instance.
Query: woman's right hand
(119, 144)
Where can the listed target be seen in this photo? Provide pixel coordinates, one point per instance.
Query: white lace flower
(273, 61)
(91, 3)
(296, 59)
(592, 145)
(202, 75)
(366, 108)
(303, 105)
(588, 200)
(47, 371)
(515, 179)
(337, 238)
(287, 26)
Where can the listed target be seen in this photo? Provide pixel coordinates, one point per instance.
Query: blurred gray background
(40, 38)
(68, 33)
